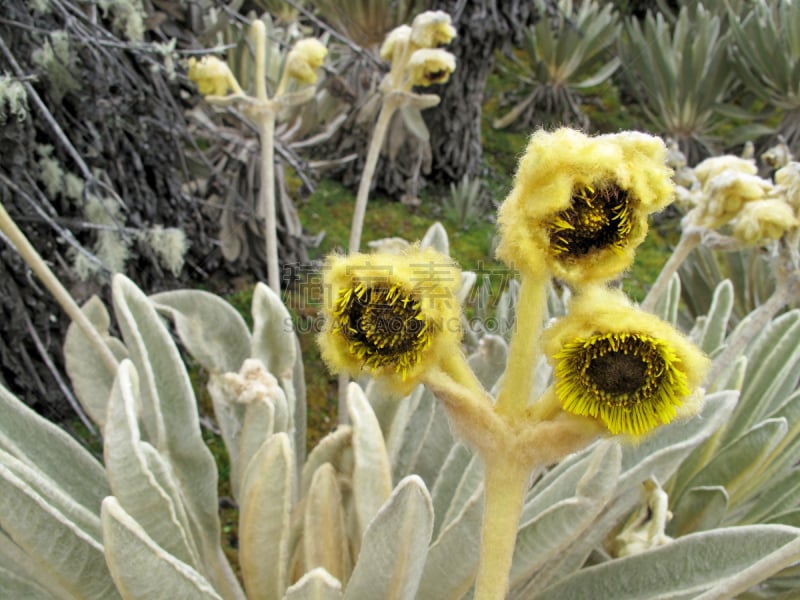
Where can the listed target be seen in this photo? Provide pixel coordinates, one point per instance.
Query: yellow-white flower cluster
(415, 54)
(728, 192)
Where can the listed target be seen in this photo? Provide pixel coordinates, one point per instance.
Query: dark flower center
(383, 325)
(598, 218)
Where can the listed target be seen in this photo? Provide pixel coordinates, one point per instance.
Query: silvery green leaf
(229, 414)
(667, 304)
(734, 464)
(258, 425)
(273, 333)
(65, 551)
(776, 496)
(210, 328)
(84, 519)
(660, 453)
(386, 405)
(276, 345)
(25, 567)
(699, 509)
(691, 564)
(449, 477)
(372, 476)
(393, 570)
(412, 117)
(330, 449)
(436, 237)
(13, 585)
(43, 446)
(264, 519)
(91, 378)
(471, 481)
(771, 360)
(170, 420)
(136, 472)
(317, 584)
(453, 558)
(436, 446)
(397, 420)
(716, 324)
(553, 528)
(468, 279)
(325, 542)
(416, 428)
(489, 360)
(142, 569)
(790, 518)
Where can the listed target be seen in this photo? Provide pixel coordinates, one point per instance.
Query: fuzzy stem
(52, 283)
(524, 347)
(266, 129)
(506, 480)
(689, 240)
(390, 104)
(259, 31)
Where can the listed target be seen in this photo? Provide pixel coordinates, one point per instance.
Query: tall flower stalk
(217, 83)
(577, 211)
(415, 61)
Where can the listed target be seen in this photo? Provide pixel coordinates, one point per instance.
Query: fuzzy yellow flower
(305, 57)
(724, 196)
(429, 66)
(579, 204)
(716, 165)
(396, 39)
(392, 316)
(212, 76)
(764, 220)
(432, 29)
(622, 366)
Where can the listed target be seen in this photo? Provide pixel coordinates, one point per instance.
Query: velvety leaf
(43, 446)
(699, 509)
(210, 328)
(330, 449)
(372, 479)
(692, 563)
(393, 570)
(90, 376)
(142, 569)
(135, 469)
(325, 541)
(436, 237)
(273, 333)
(264, 519)
(65, 551)
(453, 558)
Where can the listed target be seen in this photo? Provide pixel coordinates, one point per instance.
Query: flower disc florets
(624, 367)
(391, 316)
(579, 205)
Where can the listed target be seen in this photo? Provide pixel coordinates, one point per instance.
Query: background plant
(565, 54)
(680, 75)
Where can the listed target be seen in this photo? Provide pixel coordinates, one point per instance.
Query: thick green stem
(506, 480)
(52, 283)
(689, 240)
(524, 348)
(390, 104)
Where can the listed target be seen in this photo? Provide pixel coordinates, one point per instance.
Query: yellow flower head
(724, 195)
(622, 366)
(432, 29)
(392, 316)
(429, 66)
(711, 167)
(305, 57)
(579, 204)
(396, 39)
(764, 220)
(212, 76)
